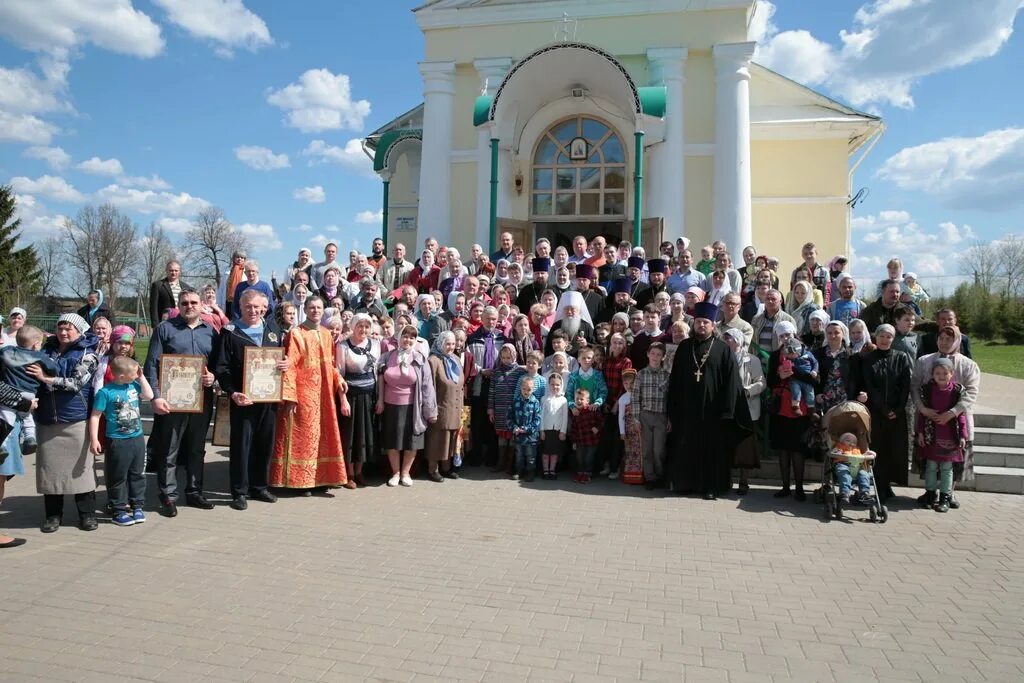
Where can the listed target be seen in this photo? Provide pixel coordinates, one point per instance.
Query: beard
(571, 326)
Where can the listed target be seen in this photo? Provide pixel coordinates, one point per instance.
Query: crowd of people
(589, 361)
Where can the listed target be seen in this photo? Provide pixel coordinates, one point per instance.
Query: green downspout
(494, 196)
(638, 186)
(384, 227)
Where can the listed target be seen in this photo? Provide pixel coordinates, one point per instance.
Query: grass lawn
(141, 349)
(999, 359)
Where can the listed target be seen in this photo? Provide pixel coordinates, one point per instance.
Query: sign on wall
(405, 223)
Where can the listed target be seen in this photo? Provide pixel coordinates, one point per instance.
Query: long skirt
(889, 441)
(633, 457)
(358, 430)
(747, 455)
(64, 464)
(397, 429)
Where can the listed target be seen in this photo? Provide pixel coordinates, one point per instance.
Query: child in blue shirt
(525, 427)
(118, 401)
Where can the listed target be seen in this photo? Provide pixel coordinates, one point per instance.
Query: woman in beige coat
(747, 457)
(449, 386)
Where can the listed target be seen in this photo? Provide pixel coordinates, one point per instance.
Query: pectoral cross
(698, 374)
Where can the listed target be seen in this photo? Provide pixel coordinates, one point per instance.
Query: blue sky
(163, 106)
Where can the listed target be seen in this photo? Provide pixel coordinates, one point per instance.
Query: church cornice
(461, 13)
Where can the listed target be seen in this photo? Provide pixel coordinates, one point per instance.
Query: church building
(639, 118)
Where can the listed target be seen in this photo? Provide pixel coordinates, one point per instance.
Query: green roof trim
(653, 100)
(387, 141)
(482, 109)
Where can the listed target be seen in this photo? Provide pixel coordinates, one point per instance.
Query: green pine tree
(19, 267)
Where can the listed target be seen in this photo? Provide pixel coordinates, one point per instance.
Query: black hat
(706, 310)
(657, 265)
(636, 262)
(620, 284)
(585, 271)
(541, 264)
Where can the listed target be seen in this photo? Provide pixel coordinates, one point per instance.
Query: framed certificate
(261, 380)
(181, 382)
(222, 422)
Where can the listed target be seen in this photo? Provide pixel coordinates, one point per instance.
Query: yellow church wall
(799, 168)
(629, 35)
(467, 89)
(699, 99)
(781, 230)
(402, 203)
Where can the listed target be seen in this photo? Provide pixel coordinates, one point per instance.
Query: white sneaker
(406, 481)
(613, 475)
(604, 472)
(393, 481)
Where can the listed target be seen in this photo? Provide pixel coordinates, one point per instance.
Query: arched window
(579, 169)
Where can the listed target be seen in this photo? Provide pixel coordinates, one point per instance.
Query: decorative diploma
(181, 382)
(261, 380)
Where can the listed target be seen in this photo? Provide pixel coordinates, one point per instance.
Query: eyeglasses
(183, 304)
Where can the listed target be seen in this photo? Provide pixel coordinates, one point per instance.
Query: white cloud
(97, 166)
(927, 252)
(332, 228)
(36, 221)
(320, 240)
(370, 217)
(226, 22)
(261, 158)
(178, 226)
(305, 227)
(148, 201)
(60, 25)
(320, 101)
(890, 46)
(51, 187)
(25, 128)
(23, 92)
(313, 195)
(153, 182)
(262, 235)
(351, 156)
(985, 172)
(55, 157)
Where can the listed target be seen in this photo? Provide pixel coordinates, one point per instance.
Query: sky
(164, 107)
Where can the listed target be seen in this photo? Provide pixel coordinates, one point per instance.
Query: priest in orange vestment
(307, 442)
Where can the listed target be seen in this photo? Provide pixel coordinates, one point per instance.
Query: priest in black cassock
(618, 301)
(709, 410)
(529, 294)
(585, 278)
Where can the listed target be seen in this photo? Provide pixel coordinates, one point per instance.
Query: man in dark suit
(252, 424)
(163, 294)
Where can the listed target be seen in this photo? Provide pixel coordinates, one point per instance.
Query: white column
(435, 207)
(666, 177)
(731, 219)
(492, 73)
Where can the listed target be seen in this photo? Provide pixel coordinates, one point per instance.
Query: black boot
(927, 500)
(943, 504)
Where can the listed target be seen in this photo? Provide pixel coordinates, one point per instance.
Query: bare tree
(981, 262)
(51, 264)
(100, 245)
(155, 250)
(212, 240)
(1010, 261)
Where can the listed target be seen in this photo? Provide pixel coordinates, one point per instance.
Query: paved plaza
(485, 579)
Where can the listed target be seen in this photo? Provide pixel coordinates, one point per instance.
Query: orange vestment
(307, 442)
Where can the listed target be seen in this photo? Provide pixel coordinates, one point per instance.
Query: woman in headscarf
(357, 365)
(449, 378)
(620, 325)
(719, 287)
(836, 367)
(800, 304)
(677, 311)
(549, 300)
(860, 340)
(15, 321)
(522, 338)
(427, 319)
(693, 296)
(501, 271)
(515, 275)
(95, 307)
(966, 373)
(425, 275)
(499, 296)
(788, 428)
(475, 316)
(332, 287)
(804, 274)
(406, 400)
(883, 385)
(64, 463)
(814, 337)
(298, 295)
(455, 306)
(747, 453)
(102, 328)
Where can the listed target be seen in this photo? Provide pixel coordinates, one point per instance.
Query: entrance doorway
(562, 233)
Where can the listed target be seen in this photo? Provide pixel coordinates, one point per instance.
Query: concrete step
(998, 456)
(991, 420)
(999, 479)
(993, 436)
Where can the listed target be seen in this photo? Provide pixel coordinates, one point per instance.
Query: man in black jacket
(163, 294)
(252, 424)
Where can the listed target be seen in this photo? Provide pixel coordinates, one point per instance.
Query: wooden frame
(222, 422)
(262, 382)
(181, 382)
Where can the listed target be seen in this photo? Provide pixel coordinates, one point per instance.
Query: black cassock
(708, 415)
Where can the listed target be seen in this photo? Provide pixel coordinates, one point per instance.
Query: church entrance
(561, 234)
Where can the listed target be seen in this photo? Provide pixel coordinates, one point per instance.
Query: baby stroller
(854, 418)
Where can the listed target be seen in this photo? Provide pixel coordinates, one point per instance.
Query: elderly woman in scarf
(747, 452)
(883, 384)
(430, 324)
(800, 305)
(449, 388)
(836, 367)
(15, 321)
(814, 336)
(573, 318)
(966, 373)
(693, 296)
